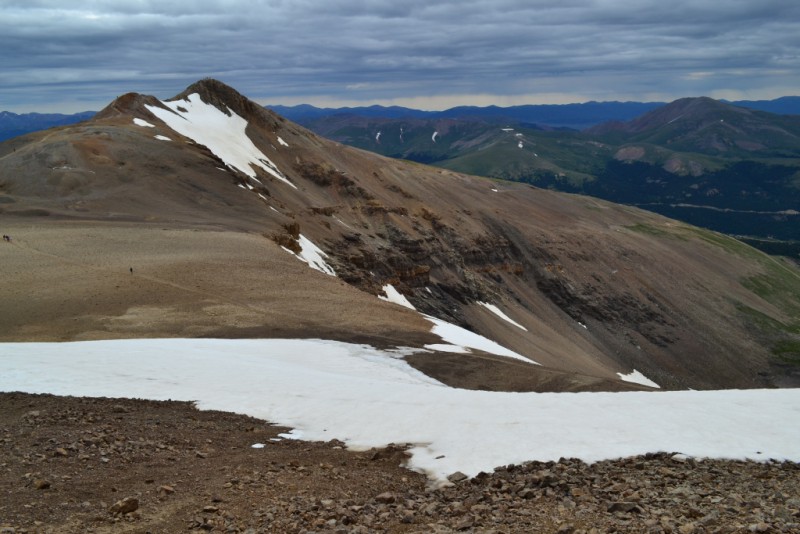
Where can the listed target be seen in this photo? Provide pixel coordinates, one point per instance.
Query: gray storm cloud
(383, 51)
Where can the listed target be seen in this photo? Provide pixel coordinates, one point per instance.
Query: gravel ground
(118, 465)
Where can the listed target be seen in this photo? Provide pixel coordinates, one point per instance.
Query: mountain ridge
(602, 289)
(576, 116)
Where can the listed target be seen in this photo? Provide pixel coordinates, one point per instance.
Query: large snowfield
(367, 397)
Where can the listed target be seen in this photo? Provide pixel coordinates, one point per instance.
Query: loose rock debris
(93, 465)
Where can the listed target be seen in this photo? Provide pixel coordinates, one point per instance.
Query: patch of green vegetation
(725, 242)
(788, 351)
(766, 323)
(782, 338)
(780, 286)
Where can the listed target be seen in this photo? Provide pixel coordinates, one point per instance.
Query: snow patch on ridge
(223, 134)
(636, 377)
(163, 138)
(495, 310)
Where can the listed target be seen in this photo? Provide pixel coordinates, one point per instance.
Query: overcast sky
(68, 56)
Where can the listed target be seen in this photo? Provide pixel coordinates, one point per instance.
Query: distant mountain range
(574, 116)
(13, 125)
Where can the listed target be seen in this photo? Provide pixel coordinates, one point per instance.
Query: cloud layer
(64, 55)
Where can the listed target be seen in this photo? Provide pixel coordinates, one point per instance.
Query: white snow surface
(142, 122)
(393, 295)
(162, 138)
(638, 378)
(314, 256)
(497, 311)
(223, 134)
(366, 397)
(282, 142)
(463, 339)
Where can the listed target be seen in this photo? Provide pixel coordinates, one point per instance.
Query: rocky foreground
(116, 465)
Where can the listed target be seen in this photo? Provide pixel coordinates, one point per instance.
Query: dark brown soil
(78, 465)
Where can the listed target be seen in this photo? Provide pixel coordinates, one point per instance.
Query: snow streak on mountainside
(392, 295)
(461, 340)
(638, 378)
(497, 311)
(224, 134)
(313, 256)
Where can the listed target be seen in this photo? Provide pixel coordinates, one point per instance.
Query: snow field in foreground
(368, 398)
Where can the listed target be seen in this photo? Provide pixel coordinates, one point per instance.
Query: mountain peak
(127, 104)
(226, 99)
(697, 108)
(211, 91)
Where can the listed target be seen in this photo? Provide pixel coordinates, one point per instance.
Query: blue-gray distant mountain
(305, 113)
(575, 116)
(785, 105)
(12, 124)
